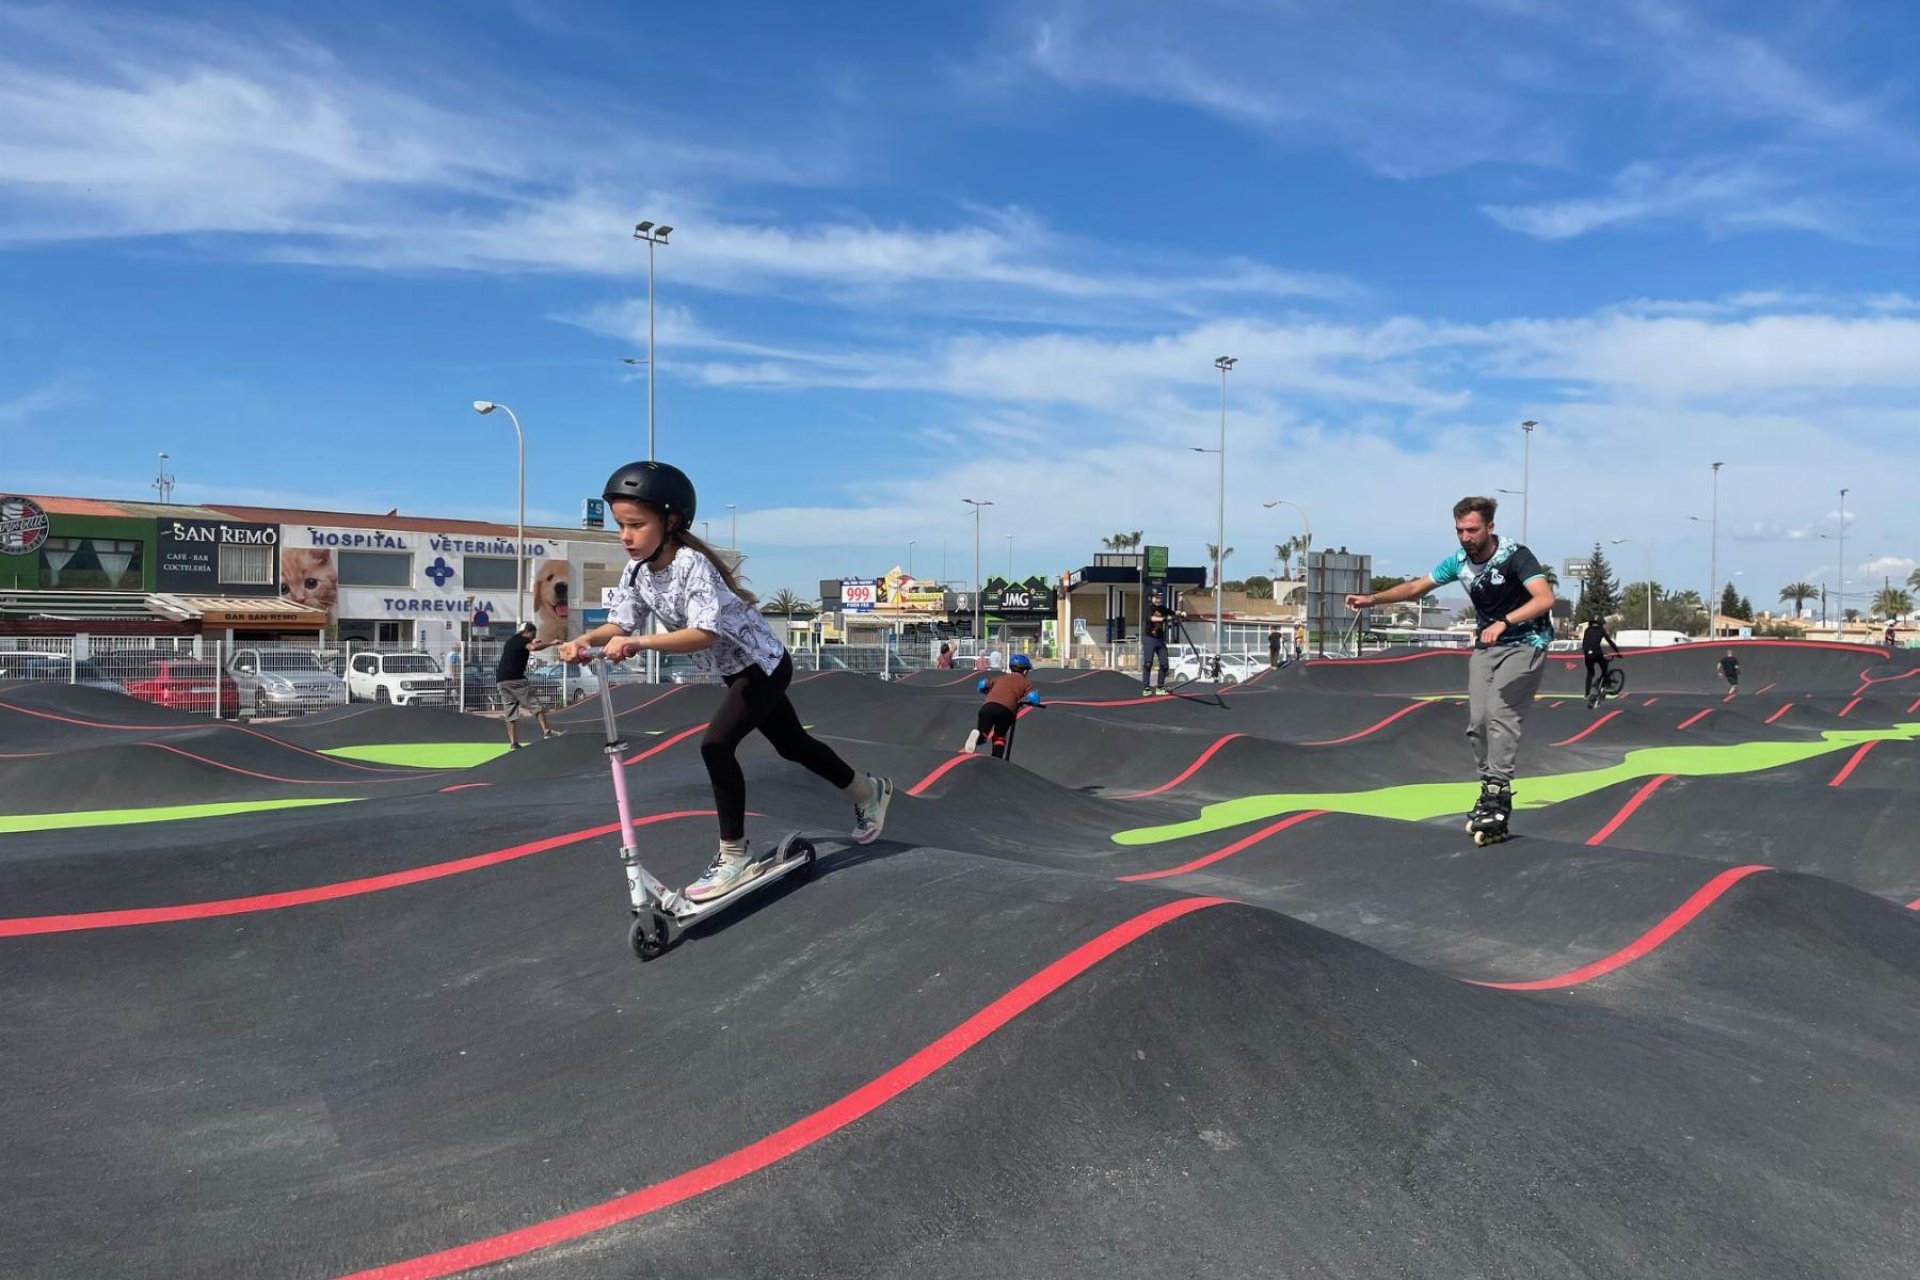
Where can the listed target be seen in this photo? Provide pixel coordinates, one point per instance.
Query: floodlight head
(483, 406)
(1223, 363)
(641, 228)
(664, 232)
(1528, 425)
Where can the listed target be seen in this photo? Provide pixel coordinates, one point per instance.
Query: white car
(400, 678)
(1197, 664)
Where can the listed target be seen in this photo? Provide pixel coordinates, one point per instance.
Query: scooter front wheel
(647, 935)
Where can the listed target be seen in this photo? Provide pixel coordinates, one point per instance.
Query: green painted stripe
(425, 755)
(127, 817)
(1421, 801)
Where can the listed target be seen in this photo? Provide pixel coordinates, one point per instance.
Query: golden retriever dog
(308, 576)
(551, 601)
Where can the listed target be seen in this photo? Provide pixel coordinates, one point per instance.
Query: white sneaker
(723, 877)
(973, 742)
(869, 818)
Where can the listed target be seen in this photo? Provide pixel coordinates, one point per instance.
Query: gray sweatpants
(1501, 682)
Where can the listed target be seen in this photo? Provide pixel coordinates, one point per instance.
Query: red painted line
(1763, 688)
(1371, 729)
(1246, 842)
(802, 1133)
(23, 926)
(1118, 702)
(1913, 706)
(1649, 702)
(211, 724)
(1850, 706)
(1567, 742)
(1189, 772)
(1914, 905)
(655, 750)
(1782, 711)
(1846, 771)
(464, 786)
(1683, 915)
(1374, 662)
(1626, 810)
(274, 777)
(1696, 718)
(937, 774)
(1729, 698)
(1867, 681)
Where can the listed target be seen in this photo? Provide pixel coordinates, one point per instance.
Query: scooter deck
(657, 928)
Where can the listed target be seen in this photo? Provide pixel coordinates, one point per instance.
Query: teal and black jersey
(1498, 587)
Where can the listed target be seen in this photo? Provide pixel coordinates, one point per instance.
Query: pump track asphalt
(1204, 985)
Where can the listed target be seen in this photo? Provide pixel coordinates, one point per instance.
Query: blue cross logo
(439, 571)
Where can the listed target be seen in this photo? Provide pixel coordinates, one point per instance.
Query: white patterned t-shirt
(689, 592)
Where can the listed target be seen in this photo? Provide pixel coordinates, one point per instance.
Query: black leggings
(996, 726)
(1596, 660)
(756, 700)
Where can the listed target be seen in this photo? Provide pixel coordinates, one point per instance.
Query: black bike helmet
(657, 484)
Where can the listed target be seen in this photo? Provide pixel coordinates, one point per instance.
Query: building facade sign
(23, 526)
(224, 557)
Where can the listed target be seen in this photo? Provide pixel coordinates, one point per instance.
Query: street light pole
(1649, 550)
(484, 407)
(1840, 583)
(1713, 558)
(653, 235)
(979, 606)
(910, 557)
(1224, 364)
(1009, 558)
(1526, 482)
(733, 537)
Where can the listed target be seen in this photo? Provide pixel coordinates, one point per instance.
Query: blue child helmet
(1021, 662)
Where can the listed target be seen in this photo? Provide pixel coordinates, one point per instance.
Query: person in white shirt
(676, 577)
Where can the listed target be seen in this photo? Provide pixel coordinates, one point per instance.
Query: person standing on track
(517, 693)
(1153, 646)
(1591, 641)
(676, 577)
(1512, 604)
(1730, 672)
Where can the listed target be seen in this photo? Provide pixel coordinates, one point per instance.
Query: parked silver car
(284, 682)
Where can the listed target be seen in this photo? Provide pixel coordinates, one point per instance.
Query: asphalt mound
(1102, 1009)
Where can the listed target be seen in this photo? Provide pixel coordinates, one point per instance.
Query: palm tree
(1893, 603)
(1913, 580)
(1218, 559)
(784, 603)
(1797, 594)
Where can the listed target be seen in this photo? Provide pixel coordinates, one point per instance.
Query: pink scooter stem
(642, 889)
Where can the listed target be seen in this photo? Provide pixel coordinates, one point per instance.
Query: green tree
(1731, 605)
(1798, 593)
(1913, 580)
(785, 604)
(1218, 559)
(1258, 587)
(1381, 581)
(1892, 603)
(1600, 593)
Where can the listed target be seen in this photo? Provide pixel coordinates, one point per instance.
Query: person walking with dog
(518, 695)
(1512, 604)
(674, 576)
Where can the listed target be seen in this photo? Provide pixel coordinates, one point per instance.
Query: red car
(185, 684)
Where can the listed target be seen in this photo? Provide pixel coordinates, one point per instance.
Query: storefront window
(91, 564)
(249, 566)
(375, 569)
(492, 573)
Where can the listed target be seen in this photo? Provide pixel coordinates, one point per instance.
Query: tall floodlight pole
(163, 482)
(1713, 559)
(733, 534)
(1649, 550)
(653, 235)
(484, 407)
(910, 542)
(1223, 364)
(1840, 583)
(979, 605)
(1526, 483)
(1009, 557)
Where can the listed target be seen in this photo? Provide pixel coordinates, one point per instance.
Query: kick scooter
(661, 915)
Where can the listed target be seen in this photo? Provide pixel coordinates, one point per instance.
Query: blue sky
(925, 253)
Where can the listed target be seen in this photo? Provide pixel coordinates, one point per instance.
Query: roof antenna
(163, 483)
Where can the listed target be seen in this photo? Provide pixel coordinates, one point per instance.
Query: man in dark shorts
(1730, 672)
(1153, 646)
(1591, 642)
(1512, 604)
(517, 693)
